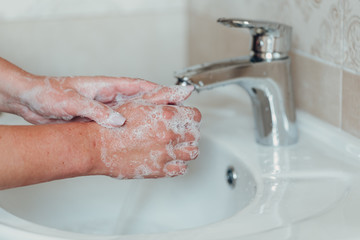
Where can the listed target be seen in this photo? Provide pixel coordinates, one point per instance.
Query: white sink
(101, 205)
(280, 193)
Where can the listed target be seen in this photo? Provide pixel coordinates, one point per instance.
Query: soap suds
(172, 173)
(155, 156)
(155, 125)
(170, 150)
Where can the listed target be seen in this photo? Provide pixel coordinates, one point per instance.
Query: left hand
(56, 100)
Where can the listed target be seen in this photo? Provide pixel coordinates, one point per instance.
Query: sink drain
(231, 176)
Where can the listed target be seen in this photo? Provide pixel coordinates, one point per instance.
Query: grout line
(318, 59)
(351, 70)
(342, 35)
(341, 99)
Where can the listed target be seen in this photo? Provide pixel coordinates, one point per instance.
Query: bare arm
(33, 154)
(156, 141)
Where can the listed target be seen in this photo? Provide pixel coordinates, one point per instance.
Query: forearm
(151, 144)
(34, 154)
(13, 80)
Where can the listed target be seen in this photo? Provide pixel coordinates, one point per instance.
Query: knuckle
(190, 136)
(191, 113)
(72, 93)
(167, 136)
(168, 112)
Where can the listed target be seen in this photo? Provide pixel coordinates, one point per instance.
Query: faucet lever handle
(270, 40)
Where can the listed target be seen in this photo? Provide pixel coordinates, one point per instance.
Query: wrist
(95, 164)
(13, 82)
(82, 151)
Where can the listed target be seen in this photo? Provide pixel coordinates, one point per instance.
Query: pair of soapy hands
(145, 132)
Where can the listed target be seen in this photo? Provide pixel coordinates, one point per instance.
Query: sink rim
(225, 229)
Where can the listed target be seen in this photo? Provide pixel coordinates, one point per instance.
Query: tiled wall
(325, 55)
(122, 37)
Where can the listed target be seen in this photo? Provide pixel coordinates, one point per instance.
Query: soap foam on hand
(174, 95)
(52, 100)
(152, 122)
(181, 122)
(47, 103)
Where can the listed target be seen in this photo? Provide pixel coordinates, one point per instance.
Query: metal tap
(265, 75)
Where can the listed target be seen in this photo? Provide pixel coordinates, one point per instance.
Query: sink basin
(279, 193)
(101, 205)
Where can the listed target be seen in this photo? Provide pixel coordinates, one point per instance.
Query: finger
(189, 113)
(197, 115)
(188, 136)
(185, 133)
(38, 120)
(186, 152)
(33, 117)
(105, 89)
(100, 113)
(169, 112)
(169, 95)
(175, 168)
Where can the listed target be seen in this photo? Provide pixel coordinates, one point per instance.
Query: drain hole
(231, 176)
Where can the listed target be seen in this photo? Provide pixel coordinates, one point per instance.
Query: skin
(43, 99)
(81, 147)
(129, 154)
(41, 153)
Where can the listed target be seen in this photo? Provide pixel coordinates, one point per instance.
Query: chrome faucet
(265, 75)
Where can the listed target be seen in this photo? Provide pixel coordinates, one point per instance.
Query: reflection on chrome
(265, 75)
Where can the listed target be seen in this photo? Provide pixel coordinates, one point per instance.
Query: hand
(41, 100)
(156, 141)
(55, 100)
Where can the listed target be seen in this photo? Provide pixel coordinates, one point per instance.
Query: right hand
(43, 100)
(156, 141)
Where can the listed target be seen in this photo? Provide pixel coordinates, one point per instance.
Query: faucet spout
(268, 85)
(265, 75)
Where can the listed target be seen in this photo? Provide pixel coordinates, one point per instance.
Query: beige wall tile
(351, 103)
(352, 35)
(323, 31)
(209, 41)
(317, 88)
(317, 25)
(317, 33)
(318, 29)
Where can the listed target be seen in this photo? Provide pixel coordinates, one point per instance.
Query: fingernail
(115, 119)
(194, 143)
(194, 154)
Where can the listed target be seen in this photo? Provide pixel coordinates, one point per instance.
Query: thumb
(168, 95)
(100, 113)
